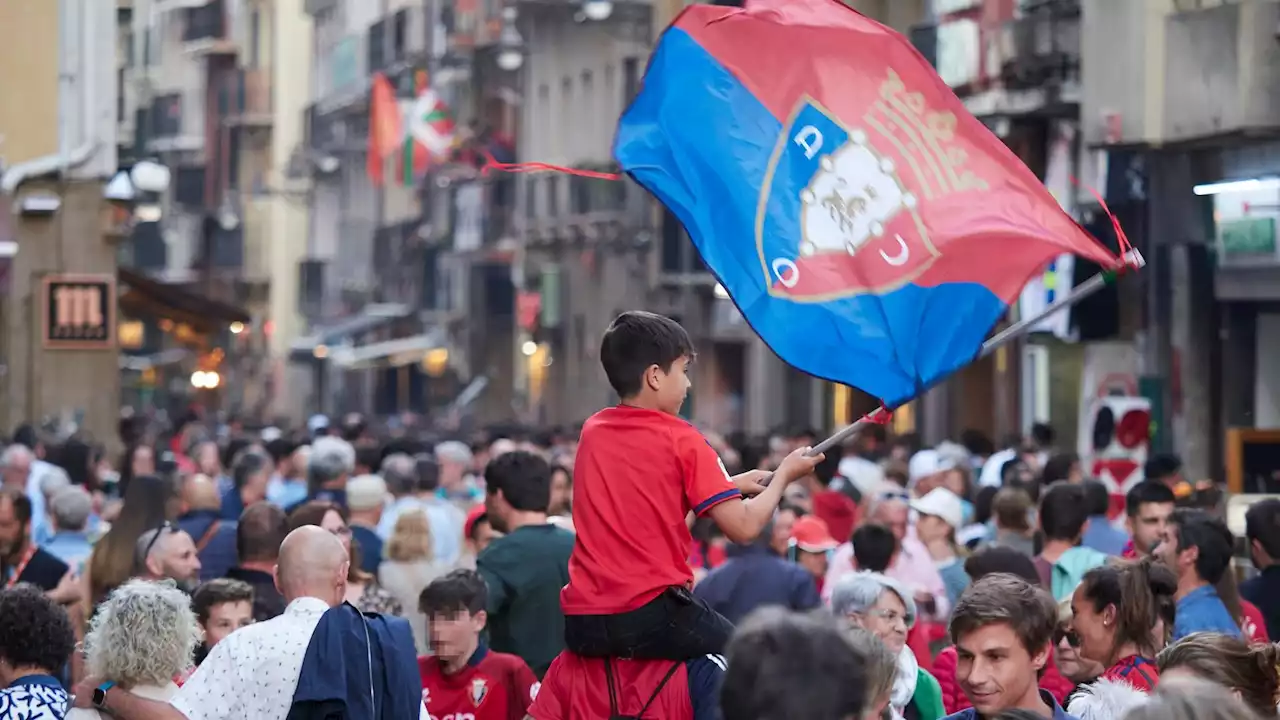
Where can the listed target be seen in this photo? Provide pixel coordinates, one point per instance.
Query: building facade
(58, 356)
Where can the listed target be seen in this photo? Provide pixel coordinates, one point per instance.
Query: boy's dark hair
(460, 590)
(1000, 559)
(637, 340)
(369, 456)
(1198, 529)
(1004, 598)
(1262, 523)
(1010, 507)
(1063, 511)
(873, 547)
(1042, 435)
(784, 665)
(219, 592)
(1161, 466)
(1058, 467)
(523, 478)
(21, 504)
(1097, 497)
(1145, 493)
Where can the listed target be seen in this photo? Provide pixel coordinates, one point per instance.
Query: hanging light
(510, 43)
(597, 10)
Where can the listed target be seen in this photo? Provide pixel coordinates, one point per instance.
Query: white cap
(317, 423)
(941, 503)
(926, 463)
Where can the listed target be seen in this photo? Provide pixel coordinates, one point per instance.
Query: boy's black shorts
(676, 625)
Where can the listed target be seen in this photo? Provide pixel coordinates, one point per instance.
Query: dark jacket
(267, 600)
(348, 652)
(754, 577)
(1263, 590)
(215, 544)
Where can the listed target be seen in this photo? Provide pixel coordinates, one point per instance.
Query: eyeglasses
(894, 495)
(164, 526)
(890, 616)
(1066, 633)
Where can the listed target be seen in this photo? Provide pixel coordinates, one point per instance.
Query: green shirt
(525, 570)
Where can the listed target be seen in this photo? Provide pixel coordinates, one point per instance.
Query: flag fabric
(870, 230)
(386, 131)
(429, 131)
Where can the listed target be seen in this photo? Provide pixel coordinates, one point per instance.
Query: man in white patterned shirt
(254, 671)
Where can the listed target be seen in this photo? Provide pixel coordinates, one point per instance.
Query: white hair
(71, 507)
(143, 634)
(858, 592)
(331, 458)
(12, 453)
(53, 480)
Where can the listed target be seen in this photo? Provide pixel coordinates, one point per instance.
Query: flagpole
(1132, 259)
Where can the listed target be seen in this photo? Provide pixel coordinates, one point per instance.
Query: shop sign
(1247, 238)
(79, 312)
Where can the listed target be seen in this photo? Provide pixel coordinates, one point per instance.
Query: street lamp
(510, 44)
(597, 10)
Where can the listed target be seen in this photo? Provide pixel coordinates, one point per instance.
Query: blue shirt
(1104, 537)
(72, 548)
(286, 492)
(754, 577)
(1058, 712)
(40, 529)
(1201, 610)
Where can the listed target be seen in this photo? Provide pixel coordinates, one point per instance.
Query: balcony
(205, 31)
(159, 126)
(1046, 42)
(164, 6)
(341, 75)
(188, 186)
(257, 228)
(248, 102)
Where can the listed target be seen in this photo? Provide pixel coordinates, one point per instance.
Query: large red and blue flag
(868, 227)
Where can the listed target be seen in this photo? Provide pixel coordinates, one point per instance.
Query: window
(630, 79)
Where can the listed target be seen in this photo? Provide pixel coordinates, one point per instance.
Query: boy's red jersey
(492, 686)
(637, 475)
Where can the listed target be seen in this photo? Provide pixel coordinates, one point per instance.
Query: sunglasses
(894, 495)
(165, 526)
(1066, 633)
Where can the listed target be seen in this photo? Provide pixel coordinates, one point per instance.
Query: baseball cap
(366, 492)
(474, 517)
(810, 534)
(926, 463)
(941, 503)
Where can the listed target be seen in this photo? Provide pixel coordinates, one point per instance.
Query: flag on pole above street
(870, 229)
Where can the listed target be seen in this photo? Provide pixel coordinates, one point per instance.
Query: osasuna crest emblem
(479, 691)
(840, 207)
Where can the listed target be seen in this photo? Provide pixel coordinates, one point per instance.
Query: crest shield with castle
(840, 207)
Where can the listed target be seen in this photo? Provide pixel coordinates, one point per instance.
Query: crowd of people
(633, 567)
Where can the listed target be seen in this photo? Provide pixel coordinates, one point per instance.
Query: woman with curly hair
(142, 637)
(363, 590)
(36, 639)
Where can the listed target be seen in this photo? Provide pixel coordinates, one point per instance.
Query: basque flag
(870, 229)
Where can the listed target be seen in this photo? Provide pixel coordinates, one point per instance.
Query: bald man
(214, 538)
(254, 671)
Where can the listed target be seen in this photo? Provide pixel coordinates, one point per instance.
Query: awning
(151, 298)
(371, 318)
(392, 353)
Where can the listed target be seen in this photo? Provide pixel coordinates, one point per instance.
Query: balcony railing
(164, 117)
(205, 31)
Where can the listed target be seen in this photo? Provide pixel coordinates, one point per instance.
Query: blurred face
(815, 563)
(931, 528)
(561, 491)
(15, 474)
(207, 459)
(994, 669)
(1073, 666)
(893, 514)
(454, 635)
(669, 386)
(1095, 630)
(143, 461)
(1148, 526)
(334, 523)
(482, 535)
(255, 489)
(888, 620)
(175, 557)
(13, 534)
(1181, 560)
(225, 619)
(783, 521)
(953, 480)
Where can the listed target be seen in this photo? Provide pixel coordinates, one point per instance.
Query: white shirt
(254, 671)
(150, 692)
(445, 518)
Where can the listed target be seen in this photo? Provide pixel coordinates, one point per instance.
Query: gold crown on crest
(931, 132)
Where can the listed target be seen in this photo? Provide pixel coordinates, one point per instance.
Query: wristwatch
(100, 695)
